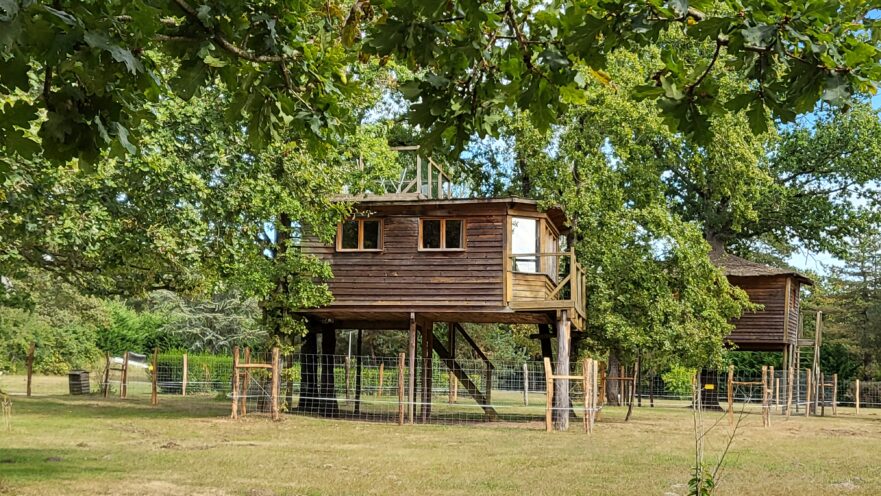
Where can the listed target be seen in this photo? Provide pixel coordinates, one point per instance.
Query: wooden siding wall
(402, 275)
(531, 287)
(794, 309)
(764, 326)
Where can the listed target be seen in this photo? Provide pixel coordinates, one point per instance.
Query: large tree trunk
(613, 389)
(710, 390)
(309, 373)
(328, 405)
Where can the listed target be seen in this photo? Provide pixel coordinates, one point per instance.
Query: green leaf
(757, 117)
(119, 54)
(572, 95)
(837, 90)
(190, 77)
(14, 74)
(759, 36)
(213, 61)
(122, 136)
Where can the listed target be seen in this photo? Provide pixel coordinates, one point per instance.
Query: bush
(129, 330)
(678, 379)
(59, 348)
(207, 373)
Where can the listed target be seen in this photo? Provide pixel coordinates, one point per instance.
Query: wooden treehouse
(416, 256)
(775, 327)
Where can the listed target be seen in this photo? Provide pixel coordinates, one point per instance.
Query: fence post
(154, 378)
(348, 362)
(730, 390)
(400, 389)
(594, 403)
(525, 384)
(235, 382)
(185, 377)
(808, 374)
(834, 395)
(585, 378)
(789, 392)
(549, 388)
(766, 407)
(821, 396)
(123, 381)
(381, 377)
(30, 365)
(857, 395)
(105, 387)
(276, 383)
(246, 384)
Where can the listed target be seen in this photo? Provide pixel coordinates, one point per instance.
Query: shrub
(678, 379)
(59, 348)
(207, 373)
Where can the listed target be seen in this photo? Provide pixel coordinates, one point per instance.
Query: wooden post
(525, 385)
(358, 352)
(856, 393)
(808, 374)
(834, 395)
(789, 392)
(30, 366)
(411, 385)
(427, 370)
(105, 387)
(123, 380)
(185, 376)
(766, 421)
(246, 383)
(821, 397)
(154, 378)
(584, 385)
(594, 402)
(730, 390)
(772, 379)
(276, 382)
(451, 341)
(400, 389)
(381, 379)
(235, 383)
(347, 366)
(549, 389)
(561, 400)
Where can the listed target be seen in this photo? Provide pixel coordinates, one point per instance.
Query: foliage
(58, 348)
(678, 380)
(131, 330)
(206, 372)
(750, 363)
(85, 74)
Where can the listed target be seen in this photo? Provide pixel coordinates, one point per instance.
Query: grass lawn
(60, 444)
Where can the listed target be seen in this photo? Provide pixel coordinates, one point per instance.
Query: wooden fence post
(246, 383)
(834, 395)
(549, 388)
(594, 403)
(525, 384)
(105, 386)
(857, 395)
(185, 376)
(154, 378)
(400, 389)
(235, 382)
(30, 365)
(730, 391)
(766, 407)
(381, 377)
(348, 379)
(585, 379)
(789, 392)
(809, 377)
(123, 380)
(276, 383)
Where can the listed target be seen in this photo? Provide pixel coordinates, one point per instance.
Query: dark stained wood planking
(766, 329)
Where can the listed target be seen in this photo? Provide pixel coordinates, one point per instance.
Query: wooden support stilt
(549, 388)
(29, 363)
(185, 376)
(358, 374)
(822, 395)
(856, 393)
(766, 420)
(400, 389)
(789, 391)
(154, 378)
(381, 379)
(427, 369)
(276, 384)
(834, 395)
(235, 383)
(772, 380)
(411, 385)
(123, 380)
(808, 377)
(561, 398)
(451, 347)
(525, 385)
(246, 384)
(730, 390)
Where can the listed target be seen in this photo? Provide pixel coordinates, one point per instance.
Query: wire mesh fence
(446, 391)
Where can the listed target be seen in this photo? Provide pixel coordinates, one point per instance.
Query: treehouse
(416, 256)
(775, 326)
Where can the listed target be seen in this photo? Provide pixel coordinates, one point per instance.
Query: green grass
(60, 444)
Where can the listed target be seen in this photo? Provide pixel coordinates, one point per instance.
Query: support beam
(427, 353)
(466, 381)
(411, 383)
(561, 397)
(451, 345)
(358, 373)
(328, 405)
(309, 371)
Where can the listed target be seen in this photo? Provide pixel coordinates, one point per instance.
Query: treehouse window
(525, 244)
(359, 235)
(441, 234)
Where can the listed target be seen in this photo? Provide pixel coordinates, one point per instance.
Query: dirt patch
(170, 445)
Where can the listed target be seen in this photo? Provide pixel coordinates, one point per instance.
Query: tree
(85, 74)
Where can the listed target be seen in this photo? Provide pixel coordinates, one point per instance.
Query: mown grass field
(60, 444)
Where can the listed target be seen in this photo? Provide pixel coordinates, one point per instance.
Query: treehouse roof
(735, 266)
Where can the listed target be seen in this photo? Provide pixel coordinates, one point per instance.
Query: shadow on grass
(94, 406)
(25, 464)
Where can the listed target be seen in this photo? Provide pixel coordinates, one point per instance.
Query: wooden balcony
(547, 281)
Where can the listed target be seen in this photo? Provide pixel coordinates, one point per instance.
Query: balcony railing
(546, 281)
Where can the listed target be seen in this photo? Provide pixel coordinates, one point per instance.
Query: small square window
(359, 235)
(442, 234)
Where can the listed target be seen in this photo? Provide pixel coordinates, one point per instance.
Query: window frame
(443, 234)
(360, 248)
